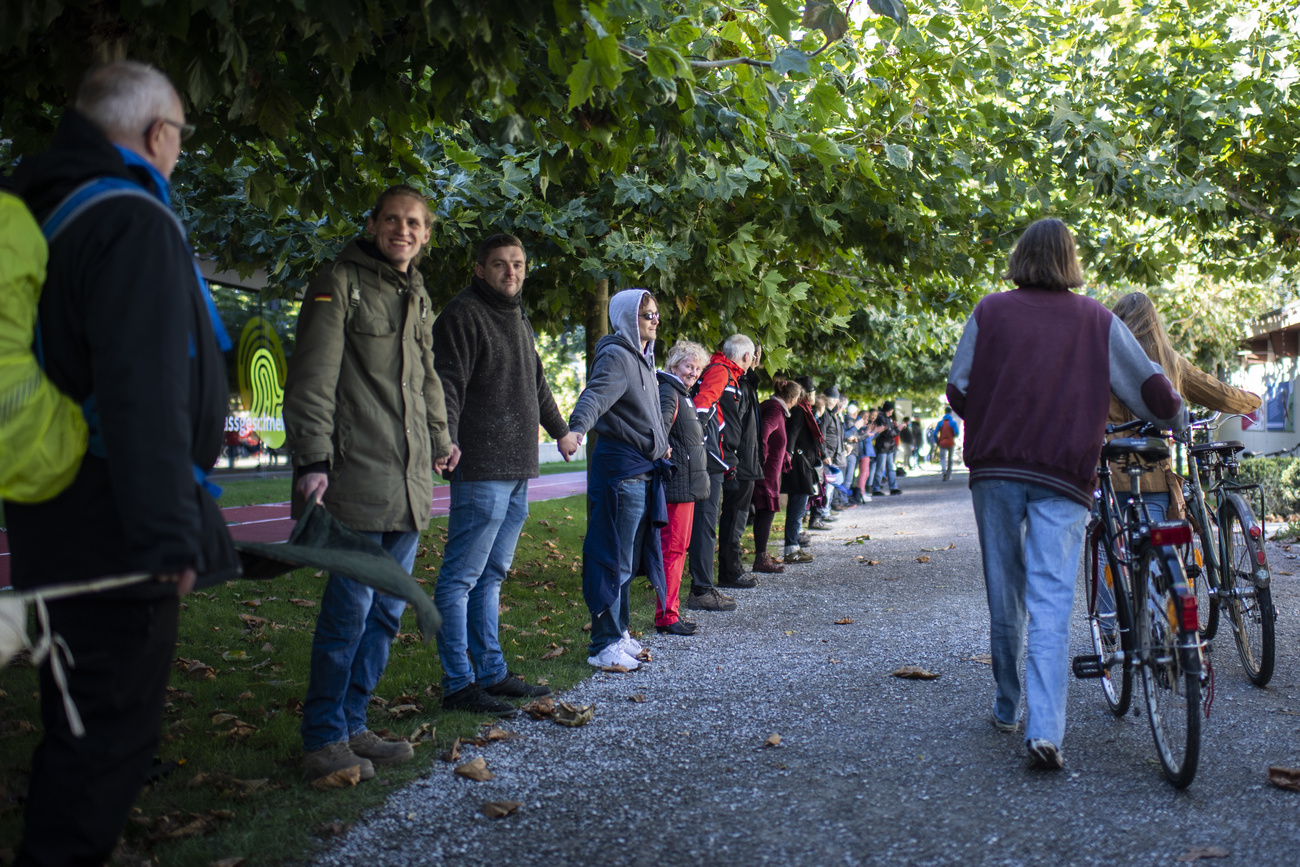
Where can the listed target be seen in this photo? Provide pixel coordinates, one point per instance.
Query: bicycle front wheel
(1250, 607)
(1109, 623)
(1171, 676)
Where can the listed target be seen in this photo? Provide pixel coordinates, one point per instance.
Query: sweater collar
(493, 298)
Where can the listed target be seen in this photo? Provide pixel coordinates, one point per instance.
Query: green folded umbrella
(321, 541)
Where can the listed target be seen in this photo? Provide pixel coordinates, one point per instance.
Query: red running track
(271, 523)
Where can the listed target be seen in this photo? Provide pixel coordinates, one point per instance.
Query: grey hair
(683, 350)
(737, 346)
(123, 98)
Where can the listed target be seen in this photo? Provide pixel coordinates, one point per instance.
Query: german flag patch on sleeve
(323, 298)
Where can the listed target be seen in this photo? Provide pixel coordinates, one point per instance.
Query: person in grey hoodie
(626, 475)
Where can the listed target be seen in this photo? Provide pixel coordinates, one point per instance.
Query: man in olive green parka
(367, 427)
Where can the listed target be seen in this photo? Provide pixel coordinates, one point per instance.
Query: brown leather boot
(764, 563)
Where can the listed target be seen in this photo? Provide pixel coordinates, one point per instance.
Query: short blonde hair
(1045, 258)
(684, 350)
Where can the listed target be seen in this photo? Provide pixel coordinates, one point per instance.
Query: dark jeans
(704, 537)
(735, 517)
(796, 506)
(82, 789)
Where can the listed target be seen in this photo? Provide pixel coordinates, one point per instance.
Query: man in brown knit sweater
(496, 396)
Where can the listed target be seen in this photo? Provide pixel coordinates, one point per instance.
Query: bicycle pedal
(1088, 667)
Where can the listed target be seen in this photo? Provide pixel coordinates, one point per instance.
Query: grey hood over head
(622, 394)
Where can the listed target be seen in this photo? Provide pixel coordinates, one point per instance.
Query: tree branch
(730, 61)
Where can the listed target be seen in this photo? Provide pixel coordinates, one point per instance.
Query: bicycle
(1226, 561)
(1142, 609)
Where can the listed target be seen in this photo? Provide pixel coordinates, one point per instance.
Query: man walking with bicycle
(1032, 377)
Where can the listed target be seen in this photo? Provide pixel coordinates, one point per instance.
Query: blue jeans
(945, 461)
(349, 650)
(482, 531)
(796, 506)
(608, 626)
(883, 470)
(1030, 538)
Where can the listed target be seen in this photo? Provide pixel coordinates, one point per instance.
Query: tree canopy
(842, 182)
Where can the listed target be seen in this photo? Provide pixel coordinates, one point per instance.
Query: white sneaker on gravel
(613, 655)
(1005, 727)
(630, 645)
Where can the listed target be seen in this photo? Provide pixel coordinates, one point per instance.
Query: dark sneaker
(513, 686)
(744, 582)
(473, 699)
(677, 627)
(894, 492)
(710, 600)
(1044, 755)
(335, 757)
(369, 745)
(1005, 727)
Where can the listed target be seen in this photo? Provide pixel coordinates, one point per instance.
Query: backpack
(44, 434)
(945, 434)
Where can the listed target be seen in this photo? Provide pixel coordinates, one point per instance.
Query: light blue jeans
(883, 471)
(608, 626)
(482, 531)
(349, 649)
(1030, 538)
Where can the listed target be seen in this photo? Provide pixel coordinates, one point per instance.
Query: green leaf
(665, 62)
(781, 17)
(581, 81)
(899, 156)
(790, 60)
(825, 16)
(467, 160)
(890, 9)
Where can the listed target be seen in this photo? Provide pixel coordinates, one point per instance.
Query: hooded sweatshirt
(621, 399)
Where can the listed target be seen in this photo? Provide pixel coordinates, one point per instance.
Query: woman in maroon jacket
(802, 478)
(767, 490)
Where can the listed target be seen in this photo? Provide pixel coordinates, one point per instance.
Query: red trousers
(675, 537)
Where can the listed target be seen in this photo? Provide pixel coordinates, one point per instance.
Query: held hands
(568, 444)
(448, 462)
(184, 581)
(312, 486)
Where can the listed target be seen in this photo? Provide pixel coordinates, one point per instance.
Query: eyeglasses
(187, 129)
(650, 317)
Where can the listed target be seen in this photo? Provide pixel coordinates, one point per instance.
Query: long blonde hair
(1140, 315)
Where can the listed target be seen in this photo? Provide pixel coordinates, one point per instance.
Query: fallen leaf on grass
(542, 708)
(555, 652)
(226, 783)
(228, 862)
(615, 669)
(915, 672)
(303, 603)
(340, 779)
(1285, 778)
(177, 826)
(873, 562)
(574, 715)
(982, 657)
(858, 540)
(923, 559)
(452, 754)
(1202, 852)
(499, 809)
(497, 734)
(424, 734)
(402, 710)
(773, 740)
(331, 829)
(195, 669)
(475, 769)
(644, 655)
(245, 696)
(638, 698)
(844, 621)
(220, 718)
(11, 727)
(252, 620)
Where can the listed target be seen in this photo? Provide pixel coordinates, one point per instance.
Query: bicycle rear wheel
(1171, 677)
(1109, 623)
(1201, 573)
(1250, 608)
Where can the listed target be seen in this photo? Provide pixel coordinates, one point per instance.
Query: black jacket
(690, 483)
(804, 443)
(739, 403)
(122, 317)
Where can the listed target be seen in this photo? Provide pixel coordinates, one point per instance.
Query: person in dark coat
(690, 481)
(773, 414)
(125, 321)
(802, 478)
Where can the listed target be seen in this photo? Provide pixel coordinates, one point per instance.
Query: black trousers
(735, 517)
(82, 789)
(704, 537)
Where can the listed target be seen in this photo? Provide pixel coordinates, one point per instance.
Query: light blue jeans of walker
(1030, 539)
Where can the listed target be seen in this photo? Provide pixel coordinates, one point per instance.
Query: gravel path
(870, 769)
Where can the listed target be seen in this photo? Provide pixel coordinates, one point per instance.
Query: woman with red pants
(691, 481)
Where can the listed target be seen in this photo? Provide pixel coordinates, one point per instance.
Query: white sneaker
(630, 645)
(613, 655)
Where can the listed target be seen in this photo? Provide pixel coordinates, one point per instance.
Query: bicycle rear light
(1171, 533)
(1260, 558)
(1187, 603)
(1255, 532)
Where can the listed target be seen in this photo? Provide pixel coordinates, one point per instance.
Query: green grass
(261, 670)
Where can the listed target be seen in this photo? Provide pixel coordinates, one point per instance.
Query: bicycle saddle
(1227, 447)
(1146, 448)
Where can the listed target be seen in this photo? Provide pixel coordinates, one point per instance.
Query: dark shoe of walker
(765, 563)
(680, 627)
(473, 699)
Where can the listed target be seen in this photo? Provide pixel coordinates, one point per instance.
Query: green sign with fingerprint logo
(262, 371)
